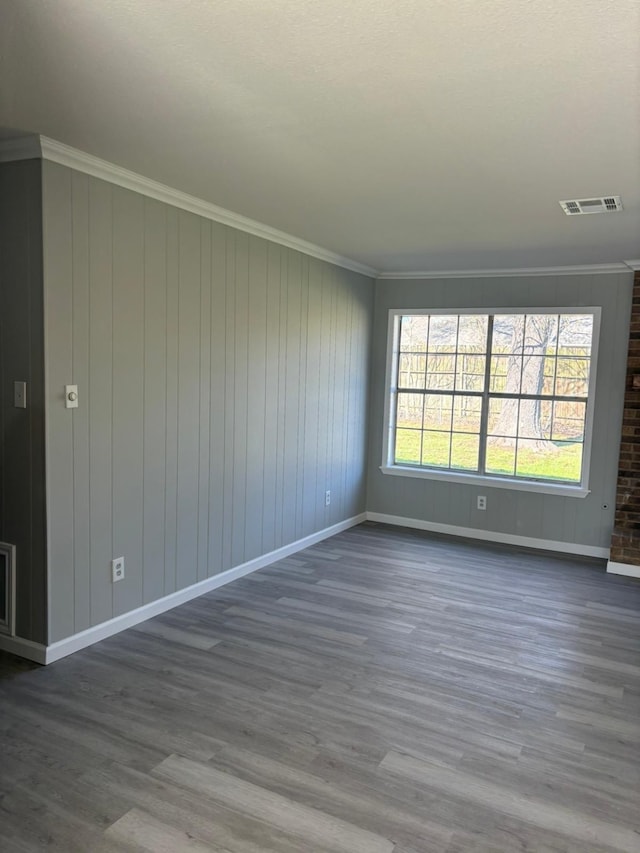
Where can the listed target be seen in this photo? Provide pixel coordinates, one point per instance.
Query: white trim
(490, 535)
(64, 155)
(482, 480)
(519, 484)
(633, 265)
(623, 569)
(113, 626)
(20, 148)
(579, 269)
(36, 652)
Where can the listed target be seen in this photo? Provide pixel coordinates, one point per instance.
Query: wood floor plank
(385, 690)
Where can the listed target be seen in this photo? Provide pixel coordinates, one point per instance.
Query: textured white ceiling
(406, 134)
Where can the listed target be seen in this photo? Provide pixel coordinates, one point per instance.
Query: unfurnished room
(319, 426)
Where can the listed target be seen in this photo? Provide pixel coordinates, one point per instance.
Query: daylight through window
(503, 395)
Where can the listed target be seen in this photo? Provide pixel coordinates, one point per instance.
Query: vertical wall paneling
(189, 330)
(128, 395)
(271, 395)
(290, 403)
(80, 417)
(282, 396)
(221, 381)
(99, 399)
(58, 264)
(240, 390)
(155, 400)
(205, 400)
(228, 448)
(171, 404)
(22, 445)
(218, 399)
(256, 399)
(311, 495)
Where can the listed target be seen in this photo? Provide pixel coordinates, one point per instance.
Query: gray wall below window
(582, 521)
(22, 465)
(223, 387)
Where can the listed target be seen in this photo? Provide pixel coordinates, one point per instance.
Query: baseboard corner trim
(625, 569)
(37, 652)
(75, 642)
(491, 535)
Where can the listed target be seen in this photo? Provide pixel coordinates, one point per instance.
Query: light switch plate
(20, 395)
(71, 396)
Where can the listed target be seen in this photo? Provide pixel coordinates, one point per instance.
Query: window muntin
(504, 395)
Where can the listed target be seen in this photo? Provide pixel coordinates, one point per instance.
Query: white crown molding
(64, 155)
(584, 269)
(633, 265)
(20, 148)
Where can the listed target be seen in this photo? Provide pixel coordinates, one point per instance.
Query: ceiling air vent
(608, 204)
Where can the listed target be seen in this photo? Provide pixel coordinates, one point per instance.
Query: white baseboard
(623, 569)
(24, 648)
(113, 626)
(490, 535)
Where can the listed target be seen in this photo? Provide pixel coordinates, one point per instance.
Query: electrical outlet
(117, 569)
(327, 497)
(482, 501)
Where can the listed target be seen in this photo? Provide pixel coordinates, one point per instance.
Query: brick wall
(625, 541)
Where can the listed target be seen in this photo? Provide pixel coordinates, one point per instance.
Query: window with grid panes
(502, 395)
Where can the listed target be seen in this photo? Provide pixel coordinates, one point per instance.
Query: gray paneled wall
(564, 519)
(223, 387)
(22, 465)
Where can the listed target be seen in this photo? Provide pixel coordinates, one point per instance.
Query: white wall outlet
(482, 501)
(117, 569)
(327, 497)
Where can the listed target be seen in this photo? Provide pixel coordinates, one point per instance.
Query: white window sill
(482, 481)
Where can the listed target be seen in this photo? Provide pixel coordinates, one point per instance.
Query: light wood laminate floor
(385, 691)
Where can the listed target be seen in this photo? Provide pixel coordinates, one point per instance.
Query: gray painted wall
(564, 519)
(222, 389)
(22, 487)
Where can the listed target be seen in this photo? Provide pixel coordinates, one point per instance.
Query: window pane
(506, 372)
(568, 421)
(549, 372)
(464, 451)
(532, 374)
(576, 333)
(546, 461)
(414, 331)
(501, 457)
(572, 377)
(540, 334)
(441, 371)
(470, 370)
(472, 333)
(438, 411)
(508, 333)
(443, 333)
(534, 419)
(407, 449)
(466, 414)
(503, 416)
(411, 370)
(410, 410)
(436, 448)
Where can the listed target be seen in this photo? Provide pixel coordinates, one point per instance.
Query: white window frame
(388, 466)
